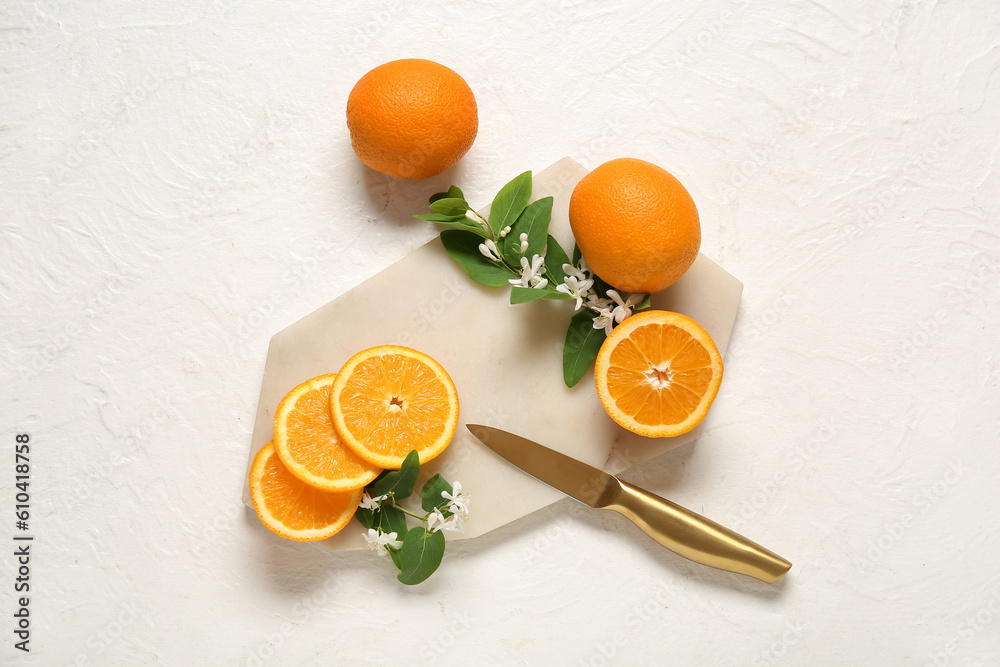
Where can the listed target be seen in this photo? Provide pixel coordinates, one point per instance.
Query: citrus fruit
(636, 225)
(308, 445)
(411, 118)
(293, 509)
(389, 400)
(658, 373)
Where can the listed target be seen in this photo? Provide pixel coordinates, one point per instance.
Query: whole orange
(636, 225)
(411, 118)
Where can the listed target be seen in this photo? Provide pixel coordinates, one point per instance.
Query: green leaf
(533, 221)
(510, 201)
(397, 556)
(577, 255)
(450, 206)
(385, 519)
(397, 482)
(463, 246)
(526, 294)
(421, 554)
(555, 295)
(366, 517)
(555, 257)
(432, 495)
(440, 217)
(453, 193)
(455, 222)
(645, 303)
(392, 520)
(583, 342)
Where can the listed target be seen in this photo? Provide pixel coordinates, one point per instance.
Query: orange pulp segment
(658, 373)
(307, 444)
(389, 400)
(292, 509)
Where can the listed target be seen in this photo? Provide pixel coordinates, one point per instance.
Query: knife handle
(695, 537)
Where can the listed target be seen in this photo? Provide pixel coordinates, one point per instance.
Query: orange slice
(308, 445)
(658, 373)
(389, 400)
(292, 509)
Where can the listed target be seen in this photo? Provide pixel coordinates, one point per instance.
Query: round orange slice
(293, 509)
(658, 373)
(389, 400)
(307, 444)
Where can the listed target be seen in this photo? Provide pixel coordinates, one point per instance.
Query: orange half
(389, 400)
(658, 373)
(292, 509)
(307, 443)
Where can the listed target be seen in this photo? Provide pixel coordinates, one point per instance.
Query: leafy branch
(417, 551)
(513, 247)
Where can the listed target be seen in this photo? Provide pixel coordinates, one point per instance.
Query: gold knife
(682, 531)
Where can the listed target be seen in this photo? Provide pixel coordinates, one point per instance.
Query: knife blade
(684, 532)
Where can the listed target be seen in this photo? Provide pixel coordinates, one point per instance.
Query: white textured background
(177, 184)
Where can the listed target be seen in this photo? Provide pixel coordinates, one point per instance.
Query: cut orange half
(293, 509)
(389, 400)
(658, 373)
(308, 445)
